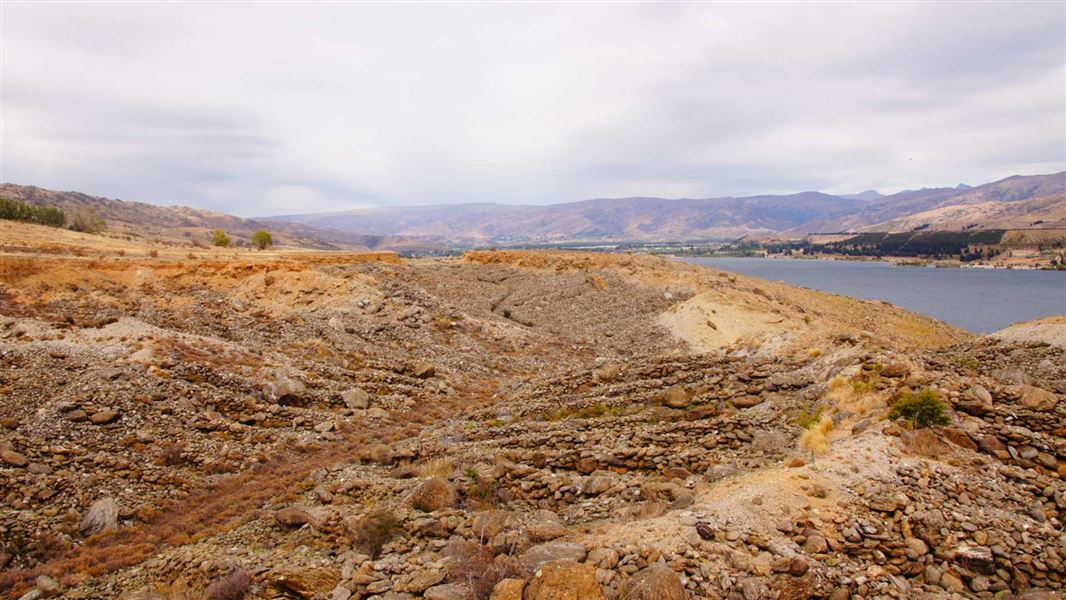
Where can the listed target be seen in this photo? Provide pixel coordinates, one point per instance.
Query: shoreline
(899, 261)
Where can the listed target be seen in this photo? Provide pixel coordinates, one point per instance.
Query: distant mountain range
(1019, 202)
(629, 219)
(1024, 199)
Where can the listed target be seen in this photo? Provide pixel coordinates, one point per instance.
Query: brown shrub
(478, 566)
(231, 586)
(373, 531)
(172, 455)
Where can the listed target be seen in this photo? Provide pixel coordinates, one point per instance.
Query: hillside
(1018, 202)
(629, 219)
(536, 425)
(1015, 202)
(986, 206)
(1044, 212)
(186, 226)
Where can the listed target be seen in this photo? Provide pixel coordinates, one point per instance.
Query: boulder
(598, 483)
(545, 526)
(656, 582)
(419, 581)
(748, 401)
(541, 554)
(979, 393)
(14, 459)
(721, 471)
(976, 558)
(959, 438)
(449, 591)
(492, 523)
(770, 441)
(897, 369)
(381, 454)
(304, 583)
(816, 544)
(1036, 399)
(48, 586)
(603, 558)
(104, 417)
(101, 516)
(282, 387)
(607, 373)
(425, 370)
(356, 398)
(508, 589)
(564, 580)
(676, 396)
(292, 517)
(435, 493)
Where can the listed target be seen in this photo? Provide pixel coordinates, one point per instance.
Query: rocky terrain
(507, 425)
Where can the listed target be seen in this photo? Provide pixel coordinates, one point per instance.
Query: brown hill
(183, 225)
(982, 206)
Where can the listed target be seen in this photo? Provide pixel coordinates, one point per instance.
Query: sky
(278, 108)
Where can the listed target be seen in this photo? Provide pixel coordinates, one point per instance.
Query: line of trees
(14, 210)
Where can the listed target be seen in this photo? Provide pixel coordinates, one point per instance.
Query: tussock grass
(816, 439)
(436, 467)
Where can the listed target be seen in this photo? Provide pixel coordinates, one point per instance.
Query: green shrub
(865, 382)
(810, 417)
(220, 239)
(924, 409)
(262, 239)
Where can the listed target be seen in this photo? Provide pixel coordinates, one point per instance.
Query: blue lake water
(980, 300)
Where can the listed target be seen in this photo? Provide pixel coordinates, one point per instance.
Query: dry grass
(816, 439)
(441, 466)
(175, 590)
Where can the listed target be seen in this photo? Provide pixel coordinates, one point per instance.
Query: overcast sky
(259, 109)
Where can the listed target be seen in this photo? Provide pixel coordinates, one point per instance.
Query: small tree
(220, 239)
(87, 220)
(924, 409)
(262, 239)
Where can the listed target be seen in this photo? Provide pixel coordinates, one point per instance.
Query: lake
(980, 300)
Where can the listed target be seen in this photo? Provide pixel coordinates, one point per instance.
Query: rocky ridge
(507, 425)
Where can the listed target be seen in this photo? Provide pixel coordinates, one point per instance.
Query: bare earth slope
(351, 425)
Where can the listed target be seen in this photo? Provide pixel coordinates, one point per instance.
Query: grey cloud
(281, 108)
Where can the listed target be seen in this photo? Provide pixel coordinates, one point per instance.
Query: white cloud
(280, 108)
